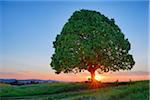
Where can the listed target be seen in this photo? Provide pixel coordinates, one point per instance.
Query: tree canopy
(91, 41)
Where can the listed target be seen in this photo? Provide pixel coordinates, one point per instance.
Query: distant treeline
(23, 82)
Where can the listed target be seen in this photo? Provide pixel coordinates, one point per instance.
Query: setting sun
(97, 77)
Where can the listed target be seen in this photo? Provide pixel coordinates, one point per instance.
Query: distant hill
(26, 81)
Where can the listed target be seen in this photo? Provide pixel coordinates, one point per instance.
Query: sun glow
(98, 77)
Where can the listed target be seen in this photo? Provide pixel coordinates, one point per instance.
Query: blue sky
(29, 28)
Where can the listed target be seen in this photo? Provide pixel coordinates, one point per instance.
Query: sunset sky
(28, 30)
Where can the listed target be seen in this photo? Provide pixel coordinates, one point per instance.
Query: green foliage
(91, 39)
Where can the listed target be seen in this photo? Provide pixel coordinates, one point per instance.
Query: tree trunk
(92, 69)
(92, 76)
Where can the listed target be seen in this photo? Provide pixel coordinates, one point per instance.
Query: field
(138, 90)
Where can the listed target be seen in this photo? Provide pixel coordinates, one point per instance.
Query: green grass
(4, 85)
(78, 91)
(39, 89)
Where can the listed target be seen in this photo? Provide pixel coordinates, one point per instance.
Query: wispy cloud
(7, 73)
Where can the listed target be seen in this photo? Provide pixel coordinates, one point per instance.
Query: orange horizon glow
(107, 77)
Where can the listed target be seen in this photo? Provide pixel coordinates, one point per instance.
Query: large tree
(91, 41)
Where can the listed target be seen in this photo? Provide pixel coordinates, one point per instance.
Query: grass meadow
(138, 90)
